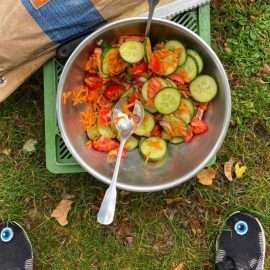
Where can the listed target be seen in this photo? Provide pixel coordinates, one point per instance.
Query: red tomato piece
(189, 135)
(177, 78)
(135, 96)
(113, 91)
(198, 126)
(154, 86)
(105, 144)
(138, 69)
(93, 83)
(155, 64)
(104, 116)
(156, 131)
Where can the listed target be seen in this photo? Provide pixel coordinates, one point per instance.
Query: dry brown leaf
(5, 151)
(206, 176)
(265, 69)
(228, 169)
(61, 211)
(179, 267)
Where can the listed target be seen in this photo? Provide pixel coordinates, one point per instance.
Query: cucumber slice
(148, 49)
(165, 136)
(197, 58)
(146, 126)
(131, 143)
(132, 51)
(174, 125)
(175, 44)
(106, 132)
(185, 110)
(204, 88)
(93, 133)
(167, 100)
(188, 69)
(105, 56)
(145, 87)
(176, 140)
(154, 148)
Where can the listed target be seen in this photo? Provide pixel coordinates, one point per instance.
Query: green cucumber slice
(197, 58)
(185, 115)
(145, 86)
(189, 69)
(176, 140)
(146, 126)
(106, 132)
(93, 133)
(132, 51)
(167, 100)
(154, 148)
(175, 44)
(131, 143)
(172, 123)
(165, 136)
(204, 88)
(105, 57)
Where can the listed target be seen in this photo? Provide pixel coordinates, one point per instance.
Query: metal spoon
(152, 4)
(126, 127)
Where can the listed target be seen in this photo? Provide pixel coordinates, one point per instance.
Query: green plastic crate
(58, 157)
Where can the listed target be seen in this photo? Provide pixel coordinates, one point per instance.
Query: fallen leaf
(30, 146)
(265, 69)
(206, 176)
(239, 170)
(228, 169)
(60, 213)
(6, 151)
(179, 267)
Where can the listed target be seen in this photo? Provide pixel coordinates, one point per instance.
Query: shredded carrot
(66, 96)
(116, 64)
(154, 144)
(79, 95)
(183, 108)
(88, 118)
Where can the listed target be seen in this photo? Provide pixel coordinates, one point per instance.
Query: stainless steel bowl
(184, 161)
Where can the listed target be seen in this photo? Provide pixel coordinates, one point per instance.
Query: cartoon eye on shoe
(241, 227)
(7, 234)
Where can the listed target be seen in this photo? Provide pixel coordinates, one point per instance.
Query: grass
(148, 233)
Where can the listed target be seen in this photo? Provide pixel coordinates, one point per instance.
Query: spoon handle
(107, 209)
(152, 4)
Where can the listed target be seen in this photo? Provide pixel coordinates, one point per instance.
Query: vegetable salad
(166, 77)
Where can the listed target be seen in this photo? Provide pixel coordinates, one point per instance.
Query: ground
(152, 231)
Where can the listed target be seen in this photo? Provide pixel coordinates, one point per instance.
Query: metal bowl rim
(127, 187)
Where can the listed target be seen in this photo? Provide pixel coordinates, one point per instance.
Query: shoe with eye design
(241, 244)
(15, 248)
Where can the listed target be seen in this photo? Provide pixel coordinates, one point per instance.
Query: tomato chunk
(156, 131)
(113, 91)
(138, 69)
(198, 126)
(189, 135)
(105, 144)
